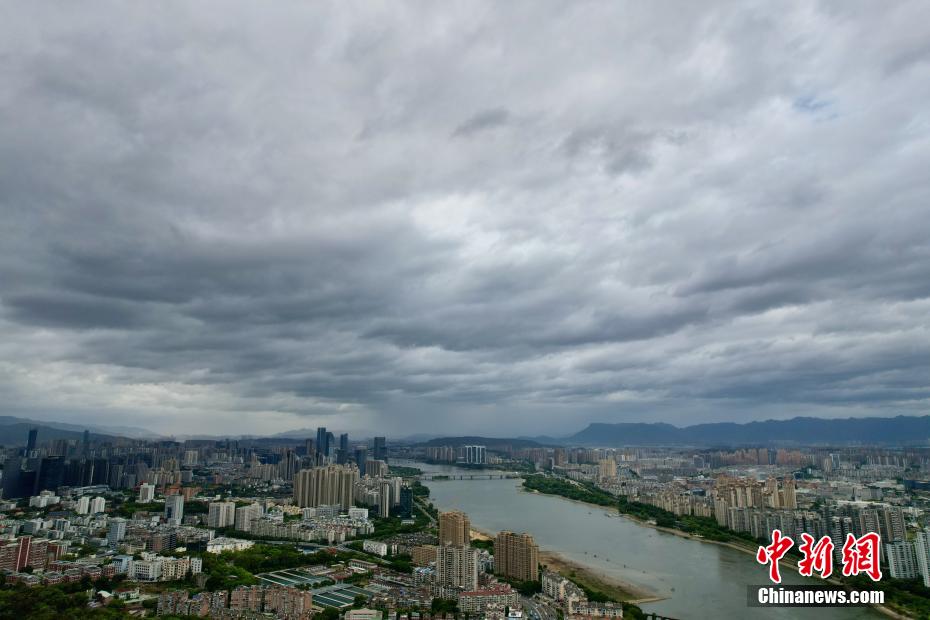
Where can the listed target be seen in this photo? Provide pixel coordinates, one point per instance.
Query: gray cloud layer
(495, 218)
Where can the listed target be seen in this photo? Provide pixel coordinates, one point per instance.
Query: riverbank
(744, 548)
(784, 563)
(584, 576)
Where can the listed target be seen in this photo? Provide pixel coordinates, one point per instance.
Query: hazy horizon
(476, 218)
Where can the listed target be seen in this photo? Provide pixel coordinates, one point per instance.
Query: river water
(695, 579)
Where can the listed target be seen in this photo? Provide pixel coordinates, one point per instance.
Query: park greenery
(234, 568)
(444, 606)
(526, 588)
(386, 528)
(130, 507)
(404, 472)
(19, 602)
(419, 489)
(587, 492)
(908, 596)
(483, 543)
(402, 563)
(578, 491)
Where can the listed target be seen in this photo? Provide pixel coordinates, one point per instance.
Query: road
(536, 610)
(418, 503)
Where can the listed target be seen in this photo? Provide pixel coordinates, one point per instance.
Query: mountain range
(14, 430)
(491, 442)
(900, 430)
(903, 430)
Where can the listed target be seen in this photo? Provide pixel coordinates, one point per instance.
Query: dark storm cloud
(486, 119)
(433, 218)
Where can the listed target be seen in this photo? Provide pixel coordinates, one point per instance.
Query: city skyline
(436, 219)
(456, 527)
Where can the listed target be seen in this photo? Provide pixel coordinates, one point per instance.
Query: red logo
(774, 552)
(860, 555)
(817, 557)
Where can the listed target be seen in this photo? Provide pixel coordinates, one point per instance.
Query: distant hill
(305, 433)
(133, 432)
(15, 431)
(482, 441)
(898, 430)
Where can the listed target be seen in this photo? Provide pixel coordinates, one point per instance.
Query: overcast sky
(501, 218)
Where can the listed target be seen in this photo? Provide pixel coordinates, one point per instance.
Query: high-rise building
(406, 502)
(24, 551)
(27, 481)
(457, 567)
(379, 449)
(82, 505)
(99, 471)
(51, 473)
(342, 456)
(12, 473)
(454, 528)
(840, 527)
(423, 555)
(516, 556)
(245, 515)
(116, 531)
(868, 521)
(31, 441)
(309, 448)
(922, 551)
(361, 455)
(789, 493)
(85, 444)
(376, 469)
(221, 514)
(174, 508)
(327, 485)
(97, 505)
(892, 524)
(322, 443)
(606, 469)
(146, 493)
(475, 455)
(289, 465)
(384, 499)
(902, 561)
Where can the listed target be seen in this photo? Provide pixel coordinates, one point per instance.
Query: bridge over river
(502, 475)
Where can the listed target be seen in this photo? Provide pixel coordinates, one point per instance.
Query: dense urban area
(113, 527)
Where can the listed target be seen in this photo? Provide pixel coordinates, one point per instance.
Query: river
(696, 579)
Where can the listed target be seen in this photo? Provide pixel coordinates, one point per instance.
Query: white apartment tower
(221, 514)
(146, 493)
(457, 567)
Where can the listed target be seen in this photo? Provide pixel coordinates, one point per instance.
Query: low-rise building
(423, 555)
(585, 610)
(375, 546)
(477, 601)
(221, 544)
